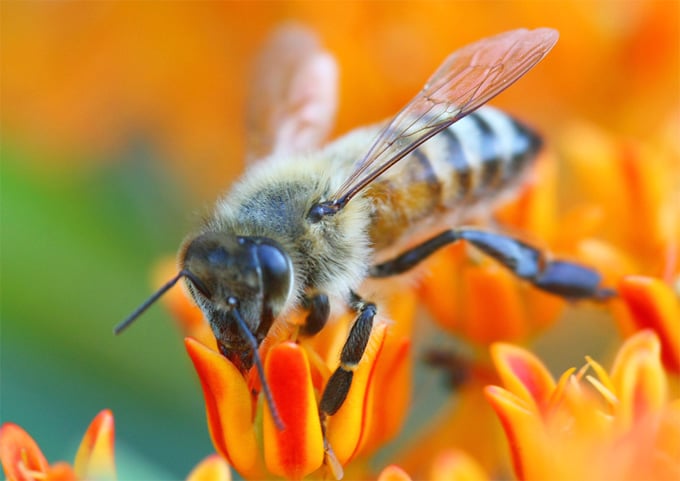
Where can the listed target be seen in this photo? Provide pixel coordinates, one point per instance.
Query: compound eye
(275, 267)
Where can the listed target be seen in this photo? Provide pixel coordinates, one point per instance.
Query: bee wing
(293, 99)
(467, 79)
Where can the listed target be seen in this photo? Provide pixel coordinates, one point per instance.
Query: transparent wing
(293, 95)
(466, 80)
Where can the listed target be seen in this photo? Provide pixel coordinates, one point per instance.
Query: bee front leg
(318, 311)
(563, 278)
(339, 383)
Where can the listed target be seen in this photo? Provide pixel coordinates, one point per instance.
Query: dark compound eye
(275, 267)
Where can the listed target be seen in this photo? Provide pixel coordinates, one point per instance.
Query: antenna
(154, 297)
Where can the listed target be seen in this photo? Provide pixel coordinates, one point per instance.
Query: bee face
(225, 271)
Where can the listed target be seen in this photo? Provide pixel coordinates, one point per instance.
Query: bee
(308, 221)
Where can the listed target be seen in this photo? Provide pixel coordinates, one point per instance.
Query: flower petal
(393, 473)
(94, 459)
(652, 304)
(523, 374)
(297, 450)
(20, 455)
(534, 209)
(500, 320)
(523, 431)
(639, 379)
(393, 375)
(63, 472)
(347, 426)
(456, 465)
(229, 408)
(212, 468)
(392, 381)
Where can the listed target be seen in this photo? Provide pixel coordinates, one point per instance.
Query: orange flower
(620, 425)
(651, 304)
(23, 460)
(632, 188)
(296, 373)
(212, 468)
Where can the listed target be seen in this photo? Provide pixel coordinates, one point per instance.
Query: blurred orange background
(87, 77)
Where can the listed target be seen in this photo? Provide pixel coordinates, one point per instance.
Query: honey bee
(307, 222)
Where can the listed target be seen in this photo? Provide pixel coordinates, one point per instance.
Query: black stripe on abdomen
(455, 156)
(491, 154)
(526, 145)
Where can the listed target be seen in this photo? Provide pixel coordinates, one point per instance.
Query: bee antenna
(233, 302)
(154, 297)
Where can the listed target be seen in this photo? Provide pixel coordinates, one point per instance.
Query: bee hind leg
(338, 385)
(563, 278)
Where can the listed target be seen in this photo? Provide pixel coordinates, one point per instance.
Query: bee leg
(340, 381)
(319, 309)
(562, 278)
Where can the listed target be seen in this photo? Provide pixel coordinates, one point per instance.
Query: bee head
(241, 284)
(254, 273)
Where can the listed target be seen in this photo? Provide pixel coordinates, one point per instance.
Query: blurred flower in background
(22, 459)
(120, 120)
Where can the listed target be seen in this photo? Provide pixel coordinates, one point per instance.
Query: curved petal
(94, 459)
(229, 408)
(212, 468)
(393, 473)
(523, 431)
(500, 320)
(639, 380)
(393, 374)
(20, 455)
(455, 465)
(653, 305)
(347, 427)
(297, 450)
(523, 374)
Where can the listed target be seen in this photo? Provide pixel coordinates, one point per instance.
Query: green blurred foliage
(77, 248)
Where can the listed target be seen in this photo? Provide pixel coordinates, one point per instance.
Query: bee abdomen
(479, 155)
(473, 161)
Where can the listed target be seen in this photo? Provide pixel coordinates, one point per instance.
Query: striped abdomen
(474, 160)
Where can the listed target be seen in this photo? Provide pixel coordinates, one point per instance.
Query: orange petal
(652, 304)
(523, 374)
(393, 473)
(392, 380)
(347, 426)
(393, 373)
(94, 459)
(298, 449)
(639, 379)
(22, 459)
(668, 444)
(455, 465)
(534, 209)
(504, 318)
(440, 286)
(212, 468)
(63, 472)
(229, 408)
(523, 430)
